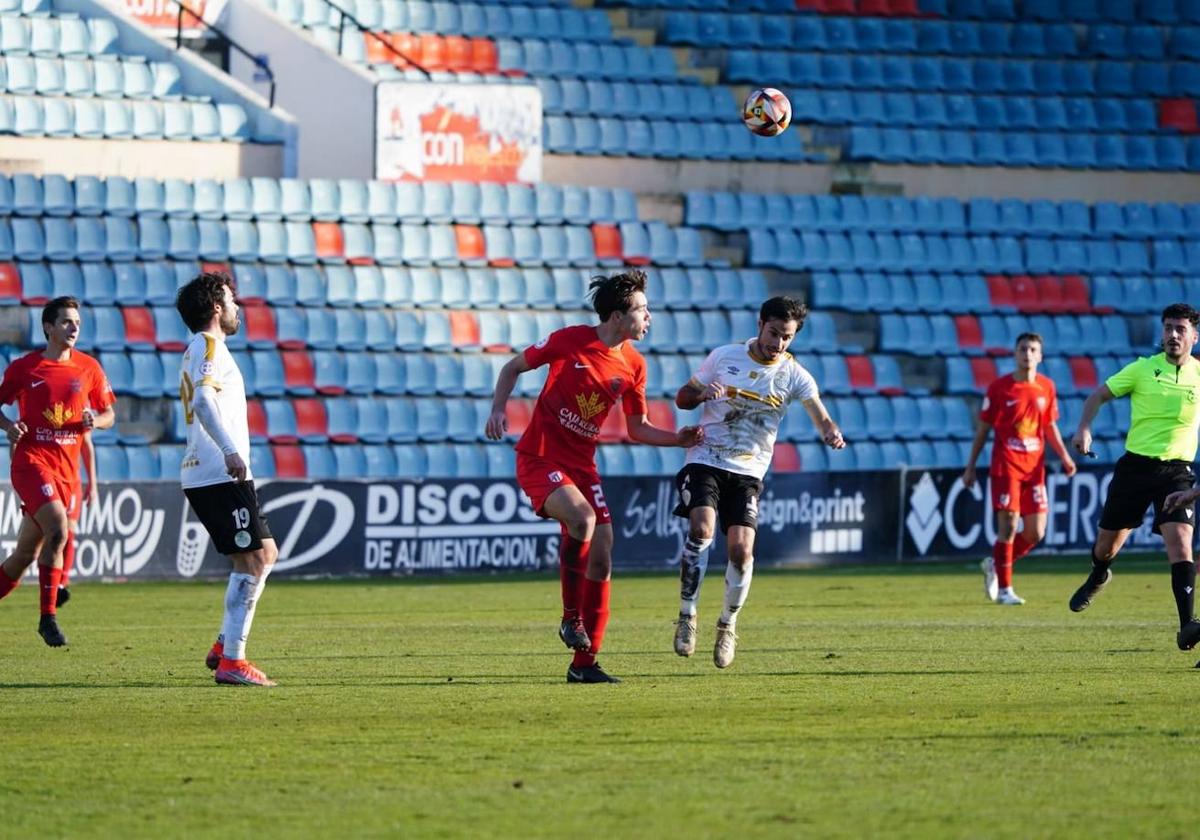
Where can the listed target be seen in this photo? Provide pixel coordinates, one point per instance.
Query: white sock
(1007, 590)
(241, 599)
(737, 588)
(693, 562)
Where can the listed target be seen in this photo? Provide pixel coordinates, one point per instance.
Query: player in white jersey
(215, 474)
(745, 390)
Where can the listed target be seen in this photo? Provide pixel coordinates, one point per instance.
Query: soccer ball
(767, 112)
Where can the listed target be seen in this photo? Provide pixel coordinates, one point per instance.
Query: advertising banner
(164, 15)
(944, 519)
(429, 131)
(344, 528)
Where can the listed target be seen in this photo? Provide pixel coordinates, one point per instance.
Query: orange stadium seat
(519, 413)
(484, 58)
(1083, 372)
(289, 462)
(299, 375)
(431, 52)
(10, 284)
(458, 54)
(139, 327)
(464, 330)
(472, 250)
(862, 372)
(311, 420)
(607, 241)
(329, 243)
(785, 459)
(260, 326)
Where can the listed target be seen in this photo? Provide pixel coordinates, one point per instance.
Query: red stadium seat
(786, 458)
(256, 421)
(139, 327)
(329, 242)
(1023, 290)
(519, 413)
(1179, 114)
(888, 8)
(1075, 294)
(464, 330)
(607, 241)
(613, 430)
(1083, 372)
(432, 53)
(260, 326)
(472, 249)
(458, 54)
(1050, 294)
(484, 58)
(862, 373)
(1000, 291)
(659, 412)
(289, 462)
(10, 284)
(299, 375)
(376, 48)
(408, 46)
(311, 419)
(984, 371)
(970, 335)
(216, 268)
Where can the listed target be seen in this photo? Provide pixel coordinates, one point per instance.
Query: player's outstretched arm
(506, 380)
(829, 431)
(641, 430)
(981, 434)
(1082, 439)
(694, 392)
(208, 412)
(1060, 449)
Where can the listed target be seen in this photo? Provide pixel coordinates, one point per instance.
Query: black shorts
(734, 497)
(1139, 482)
(230, 514)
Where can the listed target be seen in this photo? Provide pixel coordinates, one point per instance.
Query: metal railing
(258, 62)
(344, 16)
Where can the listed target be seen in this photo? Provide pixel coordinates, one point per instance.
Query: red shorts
(539, 477)
(35, 487)
(1023, 496)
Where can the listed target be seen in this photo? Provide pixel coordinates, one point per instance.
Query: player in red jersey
(1022, 407)
(81, 494)
(590, 369)
(61, 393)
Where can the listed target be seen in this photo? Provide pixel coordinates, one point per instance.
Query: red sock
(48, 579)
(68, 558)
(595, 619)
(1021, 547)
(1002, 557)
(572, 563)
(7, 584)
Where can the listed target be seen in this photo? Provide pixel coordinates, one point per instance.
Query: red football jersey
(50, 399)
(586, 378)
(1021, 414)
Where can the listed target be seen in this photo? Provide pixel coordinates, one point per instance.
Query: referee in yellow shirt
(1164, 392)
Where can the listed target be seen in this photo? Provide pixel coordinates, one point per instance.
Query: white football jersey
(208, 361)
(740, 428)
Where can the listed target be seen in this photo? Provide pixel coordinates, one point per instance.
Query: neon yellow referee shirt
(1163, 407)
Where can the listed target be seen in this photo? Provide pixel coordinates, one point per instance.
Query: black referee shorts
(733, 496)
(1139, 482)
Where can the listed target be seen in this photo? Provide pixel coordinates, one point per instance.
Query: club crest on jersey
(48, 491)
(76, 386)
(589, 406)
(754, 374)
(555, 477)
(58, 415)
(207, 368)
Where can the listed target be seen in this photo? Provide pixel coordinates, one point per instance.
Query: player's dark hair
(1184, 311)
(54, 308)
(783, 309)
(198, 300)
(1029, 336)
(615, 293)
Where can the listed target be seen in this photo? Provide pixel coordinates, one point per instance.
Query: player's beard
(230, 325)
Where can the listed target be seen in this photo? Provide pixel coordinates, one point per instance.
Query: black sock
(1099, 567)
(1183, 585)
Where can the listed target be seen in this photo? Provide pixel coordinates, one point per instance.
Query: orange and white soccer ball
(767, 112)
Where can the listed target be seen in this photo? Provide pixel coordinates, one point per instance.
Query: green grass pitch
(863, 702)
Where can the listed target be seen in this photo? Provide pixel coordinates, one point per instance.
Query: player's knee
(581, 524)
(1035, 534)
(700, 532)
(741, 556)
(54, 536)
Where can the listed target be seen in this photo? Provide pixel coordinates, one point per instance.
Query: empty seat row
(944, 335)
(634, 63)
(667, 139)
(936, 293)
(928, 37)
(1140, 294)
(1014, 148)
(1072, 375)
(786, 249)
(321, 199)
(634, 100)
(33, 116)
(1118, 115)
(110, 78)
(1011, 216)
(58, 35)
(883, 418)
(964, 75)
